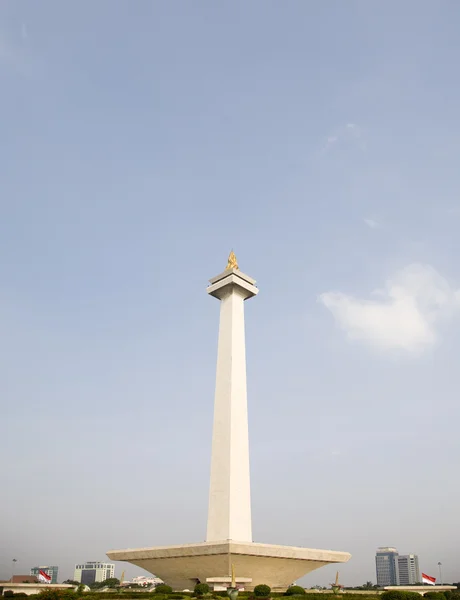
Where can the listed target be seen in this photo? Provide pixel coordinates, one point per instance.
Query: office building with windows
(387, 566)
(92, 572)
(408, 569)
(51, 571)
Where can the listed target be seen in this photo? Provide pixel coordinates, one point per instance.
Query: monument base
(221, 584)
(182, 567)
(420, 589)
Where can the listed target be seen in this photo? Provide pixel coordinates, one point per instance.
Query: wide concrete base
(421, 589)
(182, 567)
(33, 588)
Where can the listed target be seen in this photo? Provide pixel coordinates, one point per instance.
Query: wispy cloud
(406, 314)
(453, 211)
(350, 132)
(372, 223)
(15, 53)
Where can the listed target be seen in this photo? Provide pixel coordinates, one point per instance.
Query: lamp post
(14, 561)
(440, 572)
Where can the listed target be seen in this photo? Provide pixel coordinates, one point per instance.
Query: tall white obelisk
(229, 542)
(229, 514)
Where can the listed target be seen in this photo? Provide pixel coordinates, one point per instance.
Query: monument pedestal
(222, 584)
(182, 567)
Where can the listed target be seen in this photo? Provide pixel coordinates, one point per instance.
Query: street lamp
(440, 572)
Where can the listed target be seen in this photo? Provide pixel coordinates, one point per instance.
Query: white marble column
(229, 514)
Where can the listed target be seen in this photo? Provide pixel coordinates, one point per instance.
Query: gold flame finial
(232, 262)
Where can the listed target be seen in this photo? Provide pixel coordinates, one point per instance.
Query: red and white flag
(43, 577)
(427, 579)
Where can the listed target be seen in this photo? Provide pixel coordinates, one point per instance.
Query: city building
(387, 566)
(51, 571)
(409, 573)
(93, 572)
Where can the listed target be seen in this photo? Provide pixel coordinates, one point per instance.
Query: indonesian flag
(427, 579)
(43, 577)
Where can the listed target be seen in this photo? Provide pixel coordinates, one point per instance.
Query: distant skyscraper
(51, 571)
(409, 572)
(92, 572)
(387, 567)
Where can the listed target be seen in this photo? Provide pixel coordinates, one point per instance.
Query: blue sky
(141, 142)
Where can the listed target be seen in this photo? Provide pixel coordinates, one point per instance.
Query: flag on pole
(427, 579)
(43, 577)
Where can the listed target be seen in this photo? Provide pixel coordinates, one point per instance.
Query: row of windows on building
(93, 566)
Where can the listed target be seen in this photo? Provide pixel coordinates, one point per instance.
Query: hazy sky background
(141, 141)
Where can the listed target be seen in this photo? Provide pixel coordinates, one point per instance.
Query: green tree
(262, 590)
(162, 588)
(368, 586)
(201, 589)
(295, 590)
(111, 582)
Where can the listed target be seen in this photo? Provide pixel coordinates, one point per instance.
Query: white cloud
(405, 315)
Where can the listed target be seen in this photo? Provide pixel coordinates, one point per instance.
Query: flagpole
(440, 572)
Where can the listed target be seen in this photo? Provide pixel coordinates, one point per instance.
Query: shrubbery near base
(262, 590)
(201, 589)
(162, 588)
(402, 595)
(295, 590)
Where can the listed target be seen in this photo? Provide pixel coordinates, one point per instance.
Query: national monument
(229, 531)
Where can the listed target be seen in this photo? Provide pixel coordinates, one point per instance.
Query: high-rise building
(387, 567)
(409, 572)
(92, 572)
(51, 571)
